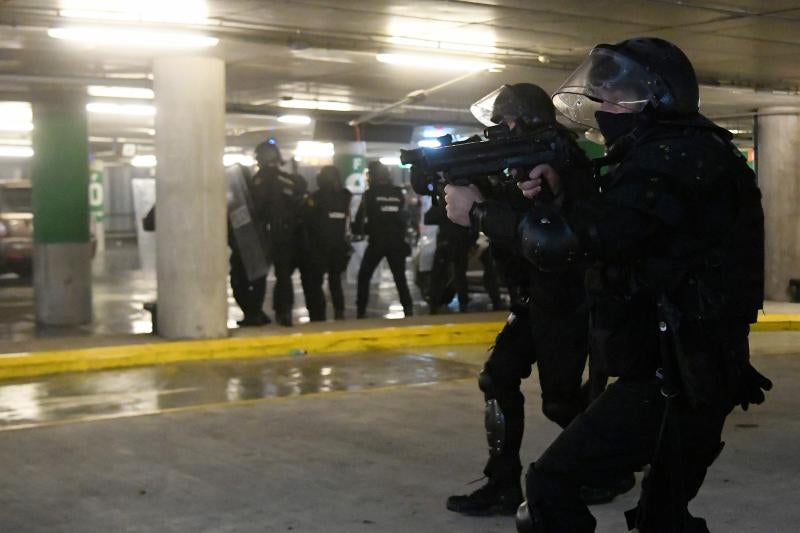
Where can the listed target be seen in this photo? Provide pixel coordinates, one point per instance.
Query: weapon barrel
(471, 153)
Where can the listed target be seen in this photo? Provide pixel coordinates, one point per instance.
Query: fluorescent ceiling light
(418, 43)
(429, 143)
(141, 93)
(390, 161)
(133, 37)
(436, 61)
(107, 108)
(16, 111)
(144, 161)
(171, 11)
(16, 126)
(324, 105)
(16, 151)
(16, 142)
(149, 160)
(295, 119)
(466, 47)
(313, 150)
(16, 116)
(241, 159)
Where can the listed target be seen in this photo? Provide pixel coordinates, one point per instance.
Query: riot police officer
(327, 222)
(548, 323)
(246, 239)
(675, 243)
(381, 216)
(279, 196)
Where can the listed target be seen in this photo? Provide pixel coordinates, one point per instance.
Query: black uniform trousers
(334, 265)
(396, 257)
(616, 436)
(249, 295)
(456, 253)
(560, 352)
(286, 259)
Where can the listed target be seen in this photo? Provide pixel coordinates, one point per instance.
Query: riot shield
(248, 235)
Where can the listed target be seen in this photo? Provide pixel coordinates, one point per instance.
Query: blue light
(272, 140)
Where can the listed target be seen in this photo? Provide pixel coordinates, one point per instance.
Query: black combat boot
(495, 497)
(284, 318)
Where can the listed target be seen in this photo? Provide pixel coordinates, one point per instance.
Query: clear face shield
(607, 81)
(497, 106)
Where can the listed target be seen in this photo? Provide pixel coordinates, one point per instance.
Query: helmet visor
(501, 103)
(607, 81)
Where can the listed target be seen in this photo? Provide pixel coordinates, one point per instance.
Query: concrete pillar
(778, 166)
(191, 223)
(60, 176)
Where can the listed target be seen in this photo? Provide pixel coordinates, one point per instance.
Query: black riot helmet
(268, 154)
(523, 102)
(378, 173)
(641, 75)
(329, 178)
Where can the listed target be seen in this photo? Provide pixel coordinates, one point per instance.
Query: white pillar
(778, 166)
(191, 219)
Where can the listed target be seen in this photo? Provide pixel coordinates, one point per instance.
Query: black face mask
(615, 125)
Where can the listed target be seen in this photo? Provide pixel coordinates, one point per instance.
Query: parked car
(16, 228)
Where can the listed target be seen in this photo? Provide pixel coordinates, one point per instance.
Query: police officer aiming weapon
(472, 160)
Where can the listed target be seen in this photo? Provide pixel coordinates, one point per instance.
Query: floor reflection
(119, 393)
(120, 289)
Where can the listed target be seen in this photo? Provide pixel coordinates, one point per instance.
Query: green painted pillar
(60, 177)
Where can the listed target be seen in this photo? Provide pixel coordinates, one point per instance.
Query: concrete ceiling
(744, 52)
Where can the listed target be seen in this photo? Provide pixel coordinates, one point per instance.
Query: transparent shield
(250, 237)
(607, 81)
(483, 108)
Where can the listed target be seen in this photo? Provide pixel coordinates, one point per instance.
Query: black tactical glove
(753, 386)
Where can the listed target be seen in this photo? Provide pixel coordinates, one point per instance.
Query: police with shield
(247, 241)
(549, 324)
(674, 245)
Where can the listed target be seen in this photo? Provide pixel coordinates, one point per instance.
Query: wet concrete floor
(375, 457)
(121, 288)
(118, 393)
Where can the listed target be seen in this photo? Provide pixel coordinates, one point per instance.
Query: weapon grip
(546, 195)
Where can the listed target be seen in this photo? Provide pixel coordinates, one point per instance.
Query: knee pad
(527, 521)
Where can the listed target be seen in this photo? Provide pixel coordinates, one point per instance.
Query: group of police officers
(312, 233)
(647, 262)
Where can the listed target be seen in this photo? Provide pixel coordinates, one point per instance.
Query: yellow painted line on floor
(159, 353)
(29, 364)
(777, 322)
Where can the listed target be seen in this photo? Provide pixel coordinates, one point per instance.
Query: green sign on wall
(96, 195)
